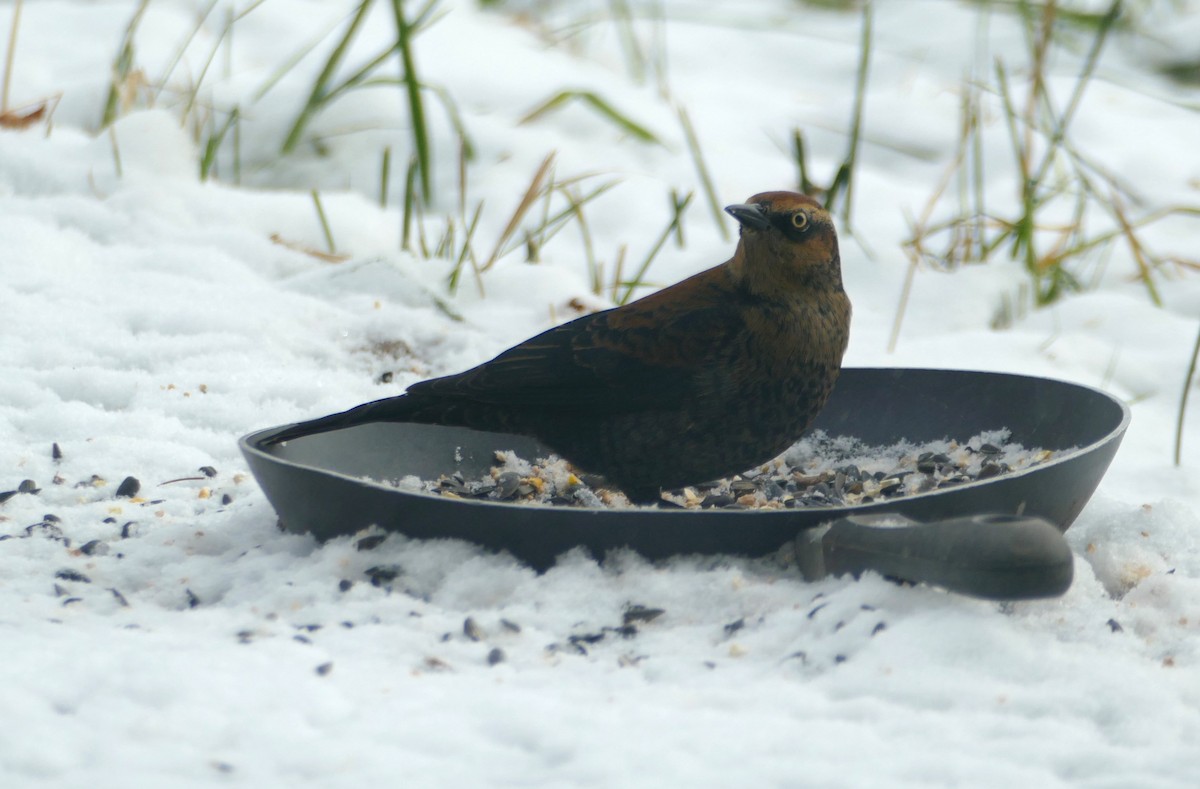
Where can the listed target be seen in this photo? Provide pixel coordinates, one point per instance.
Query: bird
(709, 377)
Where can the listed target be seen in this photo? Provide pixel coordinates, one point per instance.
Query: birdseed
(818, 471)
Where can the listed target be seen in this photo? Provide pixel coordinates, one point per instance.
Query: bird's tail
(391, 409)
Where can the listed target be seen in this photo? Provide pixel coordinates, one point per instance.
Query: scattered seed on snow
(129, 487)
(94, 548)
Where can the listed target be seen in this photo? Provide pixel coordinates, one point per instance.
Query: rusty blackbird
(700, 380)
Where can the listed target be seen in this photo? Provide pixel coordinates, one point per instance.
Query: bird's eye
(800, 220)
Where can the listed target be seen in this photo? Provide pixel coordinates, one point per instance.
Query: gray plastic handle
(994, 556)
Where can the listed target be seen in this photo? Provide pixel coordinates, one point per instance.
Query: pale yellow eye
(799, 220)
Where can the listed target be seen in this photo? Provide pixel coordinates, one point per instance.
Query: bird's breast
(800, 333)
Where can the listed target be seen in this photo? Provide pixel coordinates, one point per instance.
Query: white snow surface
(149, 321)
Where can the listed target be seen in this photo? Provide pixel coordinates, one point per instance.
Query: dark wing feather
(642, 356)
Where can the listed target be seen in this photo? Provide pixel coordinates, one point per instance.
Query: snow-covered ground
(148, 319)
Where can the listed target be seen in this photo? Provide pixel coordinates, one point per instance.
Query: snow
(149, 321)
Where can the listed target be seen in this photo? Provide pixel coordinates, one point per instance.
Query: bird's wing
(646, 355)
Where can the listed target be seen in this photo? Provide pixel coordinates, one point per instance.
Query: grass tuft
(1054, 176)
(327, 88)
(322, 91)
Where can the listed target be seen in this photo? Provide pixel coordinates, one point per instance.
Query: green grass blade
(1187, 385)
(467, 253)
(316, 198)
(575, 206)
(801, 156)
(213, 144)
(601, 106)
(317, 96)
(195, 91)
(710, 192)
(122, 66)
(456, 121)
(410, 201)
(362, 77)
(635, 59)
(187, 42)
(385, 176)
(416, 109)
(860, 99)
(677, 208)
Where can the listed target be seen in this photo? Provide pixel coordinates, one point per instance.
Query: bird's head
(787, 243)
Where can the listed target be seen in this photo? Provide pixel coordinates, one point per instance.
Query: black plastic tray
(322, 483)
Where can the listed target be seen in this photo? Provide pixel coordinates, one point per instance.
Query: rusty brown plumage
(703, 379)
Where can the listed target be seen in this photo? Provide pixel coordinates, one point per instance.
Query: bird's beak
(749, 215)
